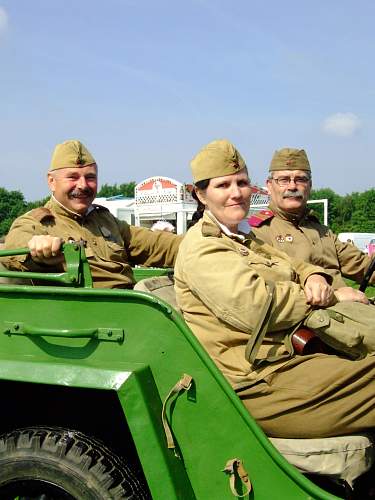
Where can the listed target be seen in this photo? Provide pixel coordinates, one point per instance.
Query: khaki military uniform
(312, 242)
(222, 286)
(112, 246)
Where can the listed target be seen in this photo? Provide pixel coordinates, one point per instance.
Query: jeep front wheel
(56, 463)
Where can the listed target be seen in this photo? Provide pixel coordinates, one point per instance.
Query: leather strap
(260, 330)
(235, 469)
(183, 384)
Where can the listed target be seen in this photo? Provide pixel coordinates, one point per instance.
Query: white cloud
(342, 124)
(3, 20)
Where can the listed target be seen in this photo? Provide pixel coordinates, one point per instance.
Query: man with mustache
(112, 246)
(291, 227)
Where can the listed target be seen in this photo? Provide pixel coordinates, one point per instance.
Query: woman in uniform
(243, 299)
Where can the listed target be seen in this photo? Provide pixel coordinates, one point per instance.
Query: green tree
(350, 213)
(12, 204)
(341, 222)
(363, 215)
(35, 204)
(126, 189)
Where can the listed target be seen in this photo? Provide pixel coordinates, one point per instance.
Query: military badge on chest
(243, 251)
(288, 238)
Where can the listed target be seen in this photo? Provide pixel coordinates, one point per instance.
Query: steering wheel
(366, 279)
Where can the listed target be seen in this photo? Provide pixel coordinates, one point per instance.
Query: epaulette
(42, 214)
(100, 207)
(209, 229)
(256, 220)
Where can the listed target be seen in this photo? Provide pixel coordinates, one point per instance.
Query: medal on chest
(288, 238)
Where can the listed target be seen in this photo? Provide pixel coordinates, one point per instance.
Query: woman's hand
(351, 294)
(318, 292)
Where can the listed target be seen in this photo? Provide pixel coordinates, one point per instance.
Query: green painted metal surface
(77, 269)
(141, 273)
(60, 336)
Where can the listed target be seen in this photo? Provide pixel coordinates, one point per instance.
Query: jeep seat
(161, 286)
(343, 458)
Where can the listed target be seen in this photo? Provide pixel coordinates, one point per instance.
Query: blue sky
(145, 84)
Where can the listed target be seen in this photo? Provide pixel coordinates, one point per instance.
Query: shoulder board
(256, 220)
(100, 207)
(42, 214)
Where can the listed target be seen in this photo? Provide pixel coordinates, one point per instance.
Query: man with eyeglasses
(289, 225)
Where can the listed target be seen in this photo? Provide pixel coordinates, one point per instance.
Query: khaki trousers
(312, 396)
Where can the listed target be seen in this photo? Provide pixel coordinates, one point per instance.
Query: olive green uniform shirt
(312, 242)
(112, 246)
(222, 285)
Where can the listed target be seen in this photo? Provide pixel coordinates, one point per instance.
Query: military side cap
(71, 154)
(290, 159)
(216, 159)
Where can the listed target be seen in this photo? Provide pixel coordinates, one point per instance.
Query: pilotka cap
(216, 159)
(70, 154)
(290, 159)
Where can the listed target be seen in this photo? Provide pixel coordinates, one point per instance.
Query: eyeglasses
(285, 181)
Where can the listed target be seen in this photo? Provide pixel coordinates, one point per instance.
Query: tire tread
(86, 453)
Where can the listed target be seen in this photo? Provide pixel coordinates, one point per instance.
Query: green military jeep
(108, 394)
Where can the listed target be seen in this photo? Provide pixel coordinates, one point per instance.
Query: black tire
(55, 464)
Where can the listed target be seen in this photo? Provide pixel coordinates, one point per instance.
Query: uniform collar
(294, 218)
(60, 209)
(224, 229)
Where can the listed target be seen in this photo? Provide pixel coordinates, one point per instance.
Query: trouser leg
(315, 396)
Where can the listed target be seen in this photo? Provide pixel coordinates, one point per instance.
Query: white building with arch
(162, 198)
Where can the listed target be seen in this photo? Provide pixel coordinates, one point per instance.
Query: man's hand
(318, 292)
(46, 249)
(351, 294)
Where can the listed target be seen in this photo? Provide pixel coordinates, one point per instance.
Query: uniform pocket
(342, 333)
(317, 319)
(115, 252)
(271, 268)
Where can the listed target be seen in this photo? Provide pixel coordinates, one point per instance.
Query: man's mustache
(76, 193)
(292, 194)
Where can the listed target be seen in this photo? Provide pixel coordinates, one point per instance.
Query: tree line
(353, 212)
